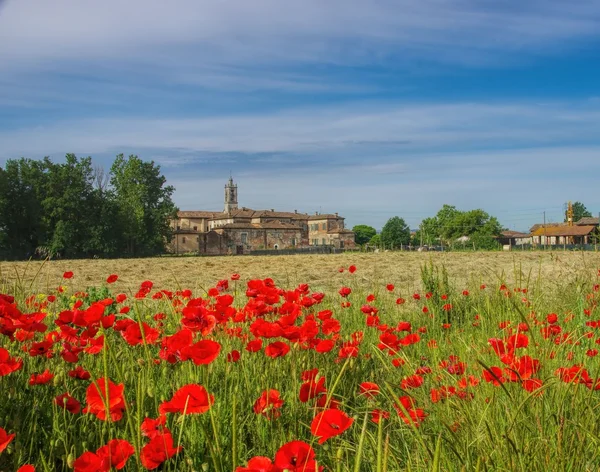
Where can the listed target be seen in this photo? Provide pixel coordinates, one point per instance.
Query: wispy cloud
(360, 130)
(36, 33)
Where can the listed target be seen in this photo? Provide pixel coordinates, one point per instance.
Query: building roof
(340, 231)
(197, 214)
(547, 225)
(270, 225)
(325, 216)
(587, 221)
(563, 230)
(280, 214)
(513, 234)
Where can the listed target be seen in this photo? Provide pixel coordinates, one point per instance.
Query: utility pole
(545, 234)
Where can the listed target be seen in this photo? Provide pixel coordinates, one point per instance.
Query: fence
(303, 250)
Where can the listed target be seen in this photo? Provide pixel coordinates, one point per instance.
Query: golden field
(320, 271)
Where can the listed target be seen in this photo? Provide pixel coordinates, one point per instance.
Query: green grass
(492, 428)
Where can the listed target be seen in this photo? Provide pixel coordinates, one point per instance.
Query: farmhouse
(242, 230)
(581, 232)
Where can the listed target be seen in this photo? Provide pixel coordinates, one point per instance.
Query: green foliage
(450, 224)
(50, 209)
(395, 233)
(145, 204)
(579, 211)
(363, 234)
(375, 240)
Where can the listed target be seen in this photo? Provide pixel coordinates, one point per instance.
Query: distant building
(514, 238)
(239, 231)
(582, 232)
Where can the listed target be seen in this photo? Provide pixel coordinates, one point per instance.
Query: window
(195, 228)
(244, 237)
(323, 241)
(178, 227)
(324, 226)
(183, 240)
(293, 241)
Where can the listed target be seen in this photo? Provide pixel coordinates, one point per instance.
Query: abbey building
(242, 230)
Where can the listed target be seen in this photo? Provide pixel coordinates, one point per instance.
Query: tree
(22, 186)
(579, 211)
(395, 233)
(375, 240)
(363, 234)
(144, 203)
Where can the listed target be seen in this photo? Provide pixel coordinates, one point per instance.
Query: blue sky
(369, 108)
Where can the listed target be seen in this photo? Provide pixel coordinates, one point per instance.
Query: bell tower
(231, 201)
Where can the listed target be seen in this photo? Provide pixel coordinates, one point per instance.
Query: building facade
(242, 230)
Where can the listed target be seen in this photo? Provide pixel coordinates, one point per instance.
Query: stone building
(242, 230)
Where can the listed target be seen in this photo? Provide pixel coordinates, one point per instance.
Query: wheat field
(321, 271)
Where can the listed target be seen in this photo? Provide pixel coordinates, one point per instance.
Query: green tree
(144, 205)
(579, 211)
(70, 206)
(395, 233)
(363, 234)
(375, 240)
(22, 186)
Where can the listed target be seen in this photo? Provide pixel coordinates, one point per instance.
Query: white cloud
(359, 129)
(193, 33)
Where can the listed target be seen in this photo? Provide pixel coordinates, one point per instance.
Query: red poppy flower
(257, 464)
(268, 404)
(233, 356)
(152, 427)
(390, 287)
(352, 269)
(368, 389)
(254, 345)
(69, 403)
(277, 349)
(112, 279)
(158, 450)
(90, 462)
(330, 423)
(376, 415)
(192, 398)
(26, 468)
(400, 301)
(68, 275)
(296, 456)
(8, 364)
(98, 401)
(5, 439)
(117, 451)
(414, 381)
(235, 276)
(415, 415)
(133, 334)
(41, 379)
(311, 389)
(202, 352)
(79, 373)
(345, 291)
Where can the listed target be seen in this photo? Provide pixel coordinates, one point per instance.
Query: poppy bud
(141, 362)
(205, 466)
(71, 458)
(150, 392)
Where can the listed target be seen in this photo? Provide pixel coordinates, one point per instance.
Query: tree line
(449, 227)
(445, 228)
(74, 209)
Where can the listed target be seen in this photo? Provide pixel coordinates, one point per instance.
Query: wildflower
(268, 404)
(69, 403)
(158, 450)
(330, 423)
(5, 439)
(104, 395)
(189, 399)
